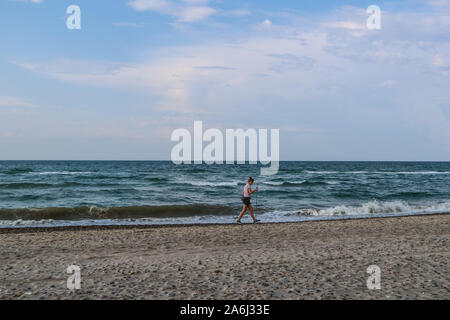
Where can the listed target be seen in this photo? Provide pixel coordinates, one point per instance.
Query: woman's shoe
(256, 221)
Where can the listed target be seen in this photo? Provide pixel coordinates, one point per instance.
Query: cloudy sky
(138, 69)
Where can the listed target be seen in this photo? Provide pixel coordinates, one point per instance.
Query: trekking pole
(256, 199)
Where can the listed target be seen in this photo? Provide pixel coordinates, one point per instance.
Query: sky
(139, 69)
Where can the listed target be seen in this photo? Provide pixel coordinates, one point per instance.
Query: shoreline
(294, 261)
(189, 225)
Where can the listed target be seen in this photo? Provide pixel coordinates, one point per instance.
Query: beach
(304, 260)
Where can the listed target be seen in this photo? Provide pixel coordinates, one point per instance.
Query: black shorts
(246, 200)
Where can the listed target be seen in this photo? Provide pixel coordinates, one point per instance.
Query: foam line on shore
(190, 225)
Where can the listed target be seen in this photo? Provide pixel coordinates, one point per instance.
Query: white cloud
(195, 1)
(236, 13)
(130, 24)
(388, 83)
(441, 61)
(8, 101)
(183, 11)
(162, 6)
(441, 4)
(31, 1)
(196, 13)
(265, 25)
(350, 25)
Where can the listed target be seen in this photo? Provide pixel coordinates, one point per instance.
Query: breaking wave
(96, 212)
(375, 207)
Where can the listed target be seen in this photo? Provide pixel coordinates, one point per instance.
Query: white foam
(25, 223)
(213, 184)
(61, 173)
(375, 207)
(273, 183)
(326, 172)
(278, 183)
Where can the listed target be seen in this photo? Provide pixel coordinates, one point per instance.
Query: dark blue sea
(60, 193)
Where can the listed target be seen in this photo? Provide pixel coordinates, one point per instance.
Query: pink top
(245, 192)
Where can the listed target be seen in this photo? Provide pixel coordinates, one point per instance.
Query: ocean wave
(38, 185)
(25, 185)
(96, 212)
(210, 183)
(156, 179)
(378, 172)
(375, 207)
(326, 172)
(62, 173)
(274, 183)
(14, 171)
(414, 172)
(94, 215)
(300, 182)
(411, 194)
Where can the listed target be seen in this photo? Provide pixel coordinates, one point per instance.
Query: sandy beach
(311, 260)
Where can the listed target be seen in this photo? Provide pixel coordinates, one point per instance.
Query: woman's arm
(250, 190)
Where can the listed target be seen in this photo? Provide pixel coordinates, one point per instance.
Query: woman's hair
(250, 179)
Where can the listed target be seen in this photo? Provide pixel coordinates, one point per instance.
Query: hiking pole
(256, 198)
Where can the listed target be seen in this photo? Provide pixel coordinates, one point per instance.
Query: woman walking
(246, 196)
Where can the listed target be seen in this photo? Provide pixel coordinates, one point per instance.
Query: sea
(88, 193)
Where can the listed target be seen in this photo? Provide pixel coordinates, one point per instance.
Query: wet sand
(309, 260)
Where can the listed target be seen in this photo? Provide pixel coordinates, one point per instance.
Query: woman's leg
(252, 212)
(244, 208)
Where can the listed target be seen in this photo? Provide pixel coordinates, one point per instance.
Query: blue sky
(138, 69)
